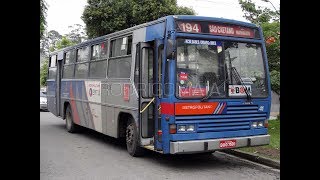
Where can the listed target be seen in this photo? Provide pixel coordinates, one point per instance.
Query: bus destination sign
(215, 29)
(230, 30)
(189, 27)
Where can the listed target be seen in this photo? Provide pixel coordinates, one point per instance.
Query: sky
(64, 13)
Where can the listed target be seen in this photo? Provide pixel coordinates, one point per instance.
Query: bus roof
(162, 19)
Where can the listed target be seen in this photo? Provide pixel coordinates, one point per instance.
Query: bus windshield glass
(219, 69)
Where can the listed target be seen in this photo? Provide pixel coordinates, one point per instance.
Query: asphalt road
(91, 155)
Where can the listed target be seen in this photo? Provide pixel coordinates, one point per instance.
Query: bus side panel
(105, 113)
(65, 96)
(85, 100)
(51, 96)
(118, 101)
(94, 108)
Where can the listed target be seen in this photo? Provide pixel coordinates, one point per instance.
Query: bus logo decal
(220, 108)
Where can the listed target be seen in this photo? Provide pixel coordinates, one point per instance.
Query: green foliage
(269, 20)
(258, 15)
(64, 42)
(273, 149)
(274, 131)
(104, 17)
(275, 81)
(77, 33)
(58, 44)
(185, 11)
(43, 11)
(44, 73)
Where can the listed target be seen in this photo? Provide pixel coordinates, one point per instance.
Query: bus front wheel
(132, 140)
(70, 125)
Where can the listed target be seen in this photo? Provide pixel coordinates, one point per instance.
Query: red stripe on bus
(195, 108)
(167, 108)
(221, 109)
(75, 115)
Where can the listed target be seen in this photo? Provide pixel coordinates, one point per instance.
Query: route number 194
(190, 27)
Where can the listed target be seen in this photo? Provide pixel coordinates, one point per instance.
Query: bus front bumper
(194, 146)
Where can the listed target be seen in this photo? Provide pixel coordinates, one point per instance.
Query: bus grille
(237, 118)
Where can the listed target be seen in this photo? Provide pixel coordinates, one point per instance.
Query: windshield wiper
(238, 78)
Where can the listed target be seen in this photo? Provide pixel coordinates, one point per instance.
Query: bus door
(145, 62)
(58, 83)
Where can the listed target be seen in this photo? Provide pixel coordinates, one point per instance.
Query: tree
(77, 33)
(64, 42)
(59, 44)
(43, 11)
(149, 10)
(104, 17)
(185, 11)
(44, 73)
(258, 15)
(269, 20)
(49, 40)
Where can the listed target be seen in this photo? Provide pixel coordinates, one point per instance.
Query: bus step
(151, 147)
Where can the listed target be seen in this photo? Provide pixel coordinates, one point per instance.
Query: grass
(273, 149)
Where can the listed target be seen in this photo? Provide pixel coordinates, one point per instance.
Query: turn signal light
(172, 128)
(266, 124)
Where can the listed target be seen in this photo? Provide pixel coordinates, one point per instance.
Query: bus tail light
(160, 135)
(266, 124)
(173, 128)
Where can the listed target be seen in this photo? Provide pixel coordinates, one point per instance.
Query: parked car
(43, 100)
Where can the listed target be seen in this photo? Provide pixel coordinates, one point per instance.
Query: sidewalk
(267, 154)
(254, 157)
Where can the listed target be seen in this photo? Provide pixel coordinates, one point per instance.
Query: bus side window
(68, 67)
(119, 63)
(98, 63)
(53, 61)
(82, 63)
(121, 46)
(52, 67)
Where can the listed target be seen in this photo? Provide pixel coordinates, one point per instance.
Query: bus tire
(70, 125)
(132, 140)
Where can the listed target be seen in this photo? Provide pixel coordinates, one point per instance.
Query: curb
(254, 157)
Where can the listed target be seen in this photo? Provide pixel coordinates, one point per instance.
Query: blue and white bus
(179, 84)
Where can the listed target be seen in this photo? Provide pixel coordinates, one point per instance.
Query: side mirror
(170, 49)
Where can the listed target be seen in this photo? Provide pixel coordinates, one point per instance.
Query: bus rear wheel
(70, 125)
(132, 140)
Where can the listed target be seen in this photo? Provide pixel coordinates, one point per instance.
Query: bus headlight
(254, 124)
(181, 128)
(190, 128)
(260, 124)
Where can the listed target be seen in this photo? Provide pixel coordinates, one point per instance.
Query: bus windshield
(219, 69)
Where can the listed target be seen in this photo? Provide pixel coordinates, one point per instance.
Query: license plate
(228, 143)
